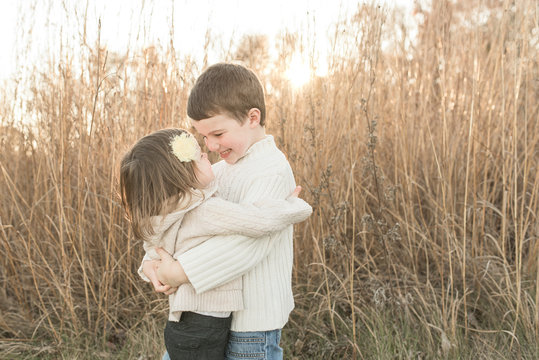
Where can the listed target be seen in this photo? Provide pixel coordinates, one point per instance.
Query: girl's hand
(170, 272)
(149, 268)
(170, 291)
(296, 192)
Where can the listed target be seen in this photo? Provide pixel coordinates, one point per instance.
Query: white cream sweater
(265, 263)
(204, 216)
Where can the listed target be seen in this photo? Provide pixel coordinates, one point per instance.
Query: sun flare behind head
(299, 72)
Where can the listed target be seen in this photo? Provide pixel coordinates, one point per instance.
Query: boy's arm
(223, 258)
(217, 216)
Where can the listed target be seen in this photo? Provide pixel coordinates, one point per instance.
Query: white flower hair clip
(185, 147)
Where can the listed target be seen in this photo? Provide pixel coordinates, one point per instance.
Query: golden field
(420, 159)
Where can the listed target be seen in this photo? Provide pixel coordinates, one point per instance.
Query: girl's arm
(152, 268)
(165, 228)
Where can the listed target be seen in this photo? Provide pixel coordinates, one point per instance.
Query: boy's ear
(253, 117)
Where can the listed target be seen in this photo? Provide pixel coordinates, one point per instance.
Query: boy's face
(226, 136)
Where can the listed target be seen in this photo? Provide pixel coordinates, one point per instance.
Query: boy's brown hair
(226, 88)
(152, 177)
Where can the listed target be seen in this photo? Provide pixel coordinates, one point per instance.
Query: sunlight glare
(299, 72)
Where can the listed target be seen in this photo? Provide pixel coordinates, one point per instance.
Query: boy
(227, 107)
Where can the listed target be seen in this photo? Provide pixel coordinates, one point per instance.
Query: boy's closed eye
(215, 133)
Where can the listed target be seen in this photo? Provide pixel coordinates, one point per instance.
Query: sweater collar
(260, 147)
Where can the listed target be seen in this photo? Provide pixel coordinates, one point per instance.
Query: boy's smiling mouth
(225, 153)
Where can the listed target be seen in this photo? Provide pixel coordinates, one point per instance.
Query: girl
(167, 187)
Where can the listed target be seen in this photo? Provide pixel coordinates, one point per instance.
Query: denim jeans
(258, 345)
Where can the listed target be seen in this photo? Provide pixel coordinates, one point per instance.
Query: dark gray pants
(197, 337)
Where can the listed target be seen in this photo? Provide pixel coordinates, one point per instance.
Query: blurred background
(411, 125)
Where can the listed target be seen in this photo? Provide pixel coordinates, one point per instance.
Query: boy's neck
(260, 134)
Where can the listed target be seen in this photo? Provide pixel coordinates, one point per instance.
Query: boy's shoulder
(271, 160)
(265, 159)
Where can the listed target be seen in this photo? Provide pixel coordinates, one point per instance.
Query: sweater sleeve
(150, 254)
(217, 216)
(223, 258)
(140, 271)
(165, 230)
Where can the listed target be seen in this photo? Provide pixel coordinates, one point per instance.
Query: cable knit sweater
(203, 215)
(266, 262)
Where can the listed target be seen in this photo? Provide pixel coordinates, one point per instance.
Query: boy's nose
(212, 145)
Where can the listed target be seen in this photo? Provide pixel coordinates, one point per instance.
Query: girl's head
(161, 169)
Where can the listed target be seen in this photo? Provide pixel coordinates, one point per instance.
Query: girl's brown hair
(151, 176)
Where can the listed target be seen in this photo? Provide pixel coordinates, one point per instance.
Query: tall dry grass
(420, 161)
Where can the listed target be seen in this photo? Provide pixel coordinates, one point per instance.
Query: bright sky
(126, 23)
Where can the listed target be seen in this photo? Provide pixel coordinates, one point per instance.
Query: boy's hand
(296, 192)
(170, 272)
(149, 268)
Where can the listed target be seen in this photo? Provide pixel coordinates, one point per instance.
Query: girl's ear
(254, 117)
